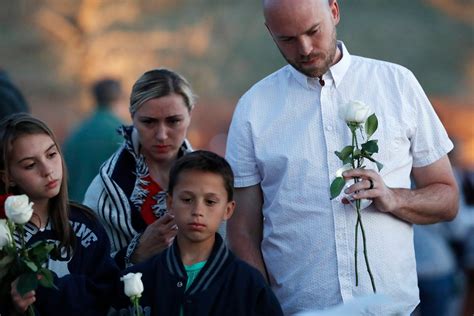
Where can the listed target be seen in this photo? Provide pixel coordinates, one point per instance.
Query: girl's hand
(21, 303)
(157, 237)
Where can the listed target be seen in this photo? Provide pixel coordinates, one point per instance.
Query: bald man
(281, 145)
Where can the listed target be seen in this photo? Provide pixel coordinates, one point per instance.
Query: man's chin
(310, 72)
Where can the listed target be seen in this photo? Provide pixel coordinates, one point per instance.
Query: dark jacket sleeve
(120, 257)
(267, 304)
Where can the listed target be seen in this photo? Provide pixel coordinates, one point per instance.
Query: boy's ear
(229, 210)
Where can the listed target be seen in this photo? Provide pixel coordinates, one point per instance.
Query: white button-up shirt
(283, 135)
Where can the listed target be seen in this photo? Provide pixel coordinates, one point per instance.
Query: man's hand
(435, 198)
(371, 186)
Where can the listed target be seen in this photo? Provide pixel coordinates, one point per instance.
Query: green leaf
(336, 186)
(46, 278)
(31, 265)
(27, 282)
(379, 165)
(5, 263)
(370, 147)
(371, 125)
(39, 251)
(346, 161)
(356, 154)
(345, 153)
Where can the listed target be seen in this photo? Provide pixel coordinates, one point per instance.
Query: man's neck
(337, 56)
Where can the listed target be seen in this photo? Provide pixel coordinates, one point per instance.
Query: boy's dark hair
(106, 91)
(202, 160)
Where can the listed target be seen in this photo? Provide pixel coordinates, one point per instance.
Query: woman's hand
(157, 237)
(21, 303)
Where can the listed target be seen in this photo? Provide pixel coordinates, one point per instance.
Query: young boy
(198, 275)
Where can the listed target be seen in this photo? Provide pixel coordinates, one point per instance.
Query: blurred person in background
(95, 139)
(437, 270)
(462, 229)
(445, 255)
(129, 193)
(11, 99)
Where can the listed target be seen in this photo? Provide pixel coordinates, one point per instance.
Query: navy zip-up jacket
(225, 286)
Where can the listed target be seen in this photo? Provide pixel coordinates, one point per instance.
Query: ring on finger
(371, 184)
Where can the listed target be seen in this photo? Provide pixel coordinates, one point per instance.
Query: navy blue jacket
(225, 286)
(86, 279)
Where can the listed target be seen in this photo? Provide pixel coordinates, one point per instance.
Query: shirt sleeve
(430, 141)
(240, 150)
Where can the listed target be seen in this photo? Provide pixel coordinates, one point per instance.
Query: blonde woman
(129, 194)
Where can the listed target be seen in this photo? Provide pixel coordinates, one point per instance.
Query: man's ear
(229, 210)
(334, 6)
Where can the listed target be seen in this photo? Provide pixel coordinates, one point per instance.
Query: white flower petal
(133, 285)
(346, 167)
(18, 208)
(355, 111)
(5, 235)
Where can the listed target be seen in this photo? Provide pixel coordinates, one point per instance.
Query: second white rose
(18, 208)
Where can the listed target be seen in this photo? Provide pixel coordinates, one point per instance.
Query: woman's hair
(13, 127)
(159, 83)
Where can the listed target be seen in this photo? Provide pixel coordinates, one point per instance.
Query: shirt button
(329, 128)
(179, 284)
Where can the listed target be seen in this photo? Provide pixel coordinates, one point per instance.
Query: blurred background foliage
(54, 49)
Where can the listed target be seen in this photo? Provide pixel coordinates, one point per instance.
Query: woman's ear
(169, 203)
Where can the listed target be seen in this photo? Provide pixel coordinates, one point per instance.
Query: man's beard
(315, 71)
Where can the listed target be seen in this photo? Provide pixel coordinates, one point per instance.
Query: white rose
(18, 208)
(133, 286)
(339, 171)
(5, 235)
(355, 111)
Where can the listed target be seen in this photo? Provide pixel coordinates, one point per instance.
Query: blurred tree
(462, 10)
(91, 39)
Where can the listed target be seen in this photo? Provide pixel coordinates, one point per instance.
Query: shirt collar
(336, 72)
(339, 70)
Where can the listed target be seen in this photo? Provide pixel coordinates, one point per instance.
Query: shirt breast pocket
(394, 145)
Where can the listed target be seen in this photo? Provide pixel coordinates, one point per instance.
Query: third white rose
(133, 285)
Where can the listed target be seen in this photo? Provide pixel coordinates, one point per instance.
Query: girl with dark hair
(31, 163)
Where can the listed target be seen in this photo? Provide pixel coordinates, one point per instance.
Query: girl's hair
(159, 83)
(13, 127)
